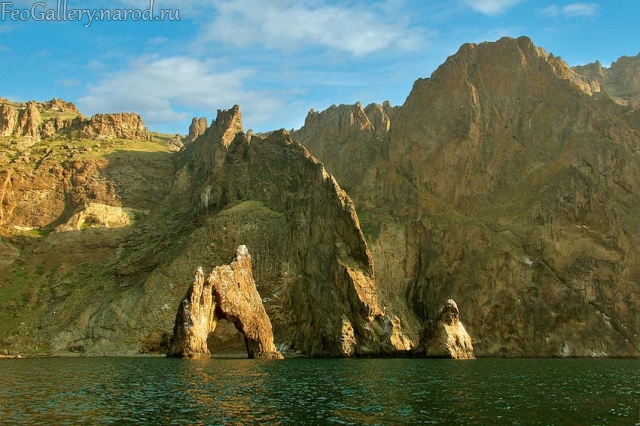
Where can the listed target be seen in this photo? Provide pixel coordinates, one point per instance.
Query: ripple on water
(306, 391)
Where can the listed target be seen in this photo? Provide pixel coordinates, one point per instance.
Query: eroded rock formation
(120, 125)
(197, 128)
(445, 337)
(229, 293)
(26, 120)
(20, 121)
(330, 304)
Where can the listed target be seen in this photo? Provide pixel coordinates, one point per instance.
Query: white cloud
(68, 82)
(491, 7)
(156, 41)
(291, 26)
(95, 65)
(571, 10)
(580, 9)
(163, 89)
(552, 11)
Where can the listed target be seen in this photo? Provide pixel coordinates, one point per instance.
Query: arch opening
(226, 340)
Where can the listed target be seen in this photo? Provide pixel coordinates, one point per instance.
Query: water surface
(320, 391)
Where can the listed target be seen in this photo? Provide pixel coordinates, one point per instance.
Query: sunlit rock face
(509, 182)
(445, 336)
(57, 118)
(229, 293)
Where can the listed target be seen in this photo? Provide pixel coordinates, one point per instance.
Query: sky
(276, 59)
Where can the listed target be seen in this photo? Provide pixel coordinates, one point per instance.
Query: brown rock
(445, 336)
(8, 119)
(25, 120)
(120, 125)
(175, 143)
(228, 124)
(60, 105)
(497, 163)
(344, 133)
(229, 293)
(331, 279)
(197, 128)
(621, 81)
(29, 121)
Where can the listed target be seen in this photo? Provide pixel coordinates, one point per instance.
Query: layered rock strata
(229, 293)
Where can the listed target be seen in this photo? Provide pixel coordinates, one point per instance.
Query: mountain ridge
(507, 181)
(503, 148)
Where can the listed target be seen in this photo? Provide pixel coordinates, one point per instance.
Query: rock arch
(229, 293)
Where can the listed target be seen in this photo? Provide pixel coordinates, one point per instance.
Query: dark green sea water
(319, 391)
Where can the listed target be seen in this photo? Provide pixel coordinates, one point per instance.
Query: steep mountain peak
(212, 145)
(507, 60)
(228, 124)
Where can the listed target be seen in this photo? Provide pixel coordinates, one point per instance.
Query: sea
(302, 391)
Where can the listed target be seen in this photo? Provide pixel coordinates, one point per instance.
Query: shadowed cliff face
(330, 303)
(503, 183)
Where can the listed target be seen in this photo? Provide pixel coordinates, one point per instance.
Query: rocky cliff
(621, 81)
(230, 293)
(197, 128)
(120, 125)
(57, 118)
(20, 122)
(506, 182)
(330, 304)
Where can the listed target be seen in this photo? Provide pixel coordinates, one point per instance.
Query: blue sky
(277, 59)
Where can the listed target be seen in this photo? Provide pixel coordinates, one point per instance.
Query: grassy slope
(57, 273)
